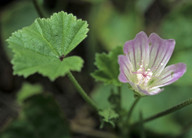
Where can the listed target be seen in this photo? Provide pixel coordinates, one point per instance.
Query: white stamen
(143, 76)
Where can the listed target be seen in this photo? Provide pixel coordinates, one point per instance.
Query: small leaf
(109, 116)
(108, 68)
(43, 46)
(27, 91)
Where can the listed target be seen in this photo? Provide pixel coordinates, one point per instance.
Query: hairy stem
(38, 8)
(82, 92)
(166, 112)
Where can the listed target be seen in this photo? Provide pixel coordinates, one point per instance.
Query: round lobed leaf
(42, 47)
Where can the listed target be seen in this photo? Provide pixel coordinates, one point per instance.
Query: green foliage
(27, 91)
(143, 6)
(107, 100)
(15, 17)
(177, 25)
(115, 101)
(46, 117)
(43, 46)
(113, 28)
(109, 116)
(149, 105)
(101, 95)
(41, 118)
(108, 68)
(19, 129)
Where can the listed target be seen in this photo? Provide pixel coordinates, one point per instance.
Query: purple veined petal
(125, 68)
(154, 91)
(160, 53)
(151, 91)
(138, 50)
(153, 54)
(169, 75)
(142, 91)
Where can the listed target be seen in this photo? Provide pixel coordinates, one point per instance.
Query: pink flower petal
(143, 65)
(160, 53)
(125, 68)
(137, 50)
(169, 75)
(152, 91)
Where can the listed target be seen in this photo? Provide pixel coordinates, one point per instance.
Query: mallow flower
(143, 64)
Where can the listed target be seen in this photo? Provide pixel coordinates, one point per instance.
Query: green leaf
(108, 68)
(46, 116)
(149, 105)
(102, 96)
(27, 91)
(40, 117)
(43, 46)
(109, 116)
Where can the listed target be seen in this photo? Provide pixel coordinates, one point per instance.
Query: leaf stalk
(82, 92)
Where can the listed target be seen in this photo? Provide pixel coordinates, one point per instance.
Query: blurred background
(35, 107)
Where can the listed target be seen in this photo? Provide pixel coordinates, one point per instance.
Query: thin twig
(166, 112)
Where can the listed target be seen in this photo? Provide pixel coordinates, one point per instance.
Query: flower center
(143, 76)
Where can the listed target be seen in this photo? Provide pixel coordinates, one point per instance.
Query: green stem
(166, 112)
(142, 129)
(38, 8)
(132, 107)
(126, 121)
(120, 97)
(82, 92)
